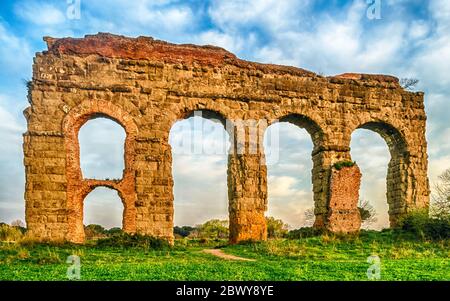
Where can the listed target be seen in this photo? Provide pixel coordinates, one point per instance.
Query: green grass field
(316, 258)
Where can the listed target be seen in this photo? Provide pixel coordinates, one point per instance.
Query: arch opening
(103, 211)
(288, 146)
(381, 154)
(200, 146)
(102, 148)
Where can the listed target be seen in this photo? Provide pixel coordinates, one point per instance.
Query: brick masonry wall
(147, 85)
(343, 213)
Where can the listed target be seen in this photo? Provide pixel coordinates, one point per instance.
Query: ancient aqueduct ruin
(147, 85)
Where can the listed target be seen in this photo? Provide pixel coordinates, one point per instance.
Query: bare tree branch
(408, 83)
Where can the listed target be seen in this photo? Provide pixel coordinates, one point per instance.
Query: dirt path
(221, 254)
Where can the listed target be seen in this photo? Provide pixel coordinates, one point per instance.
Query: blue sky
(411, 39)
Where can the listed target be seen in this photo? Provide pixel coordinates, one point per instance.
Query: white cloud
(372, 155)
(287, 200)
(429, 64)
(199, 168)
(38, 13)
(200, 188)
(11, 128)
(440, 9)
(291, 212)
(11, 168)
(419, 29)
(287, 147)
(15, 53)
(283, 187)
(436, 168)
(102, 149)
(338, 44)
(273, 15)
(232, 43)
(288, 153)
(103, 206)
(160, 19)
(169, 18)
(9, 123)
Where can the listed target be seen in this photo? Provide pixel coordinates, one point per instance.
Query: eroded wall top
(147, 48)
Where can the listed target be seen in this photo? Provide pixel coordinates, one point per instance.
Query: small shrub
(48, 256)
(249, 242)
(182, 243)
(342, 164)
(276, 228)
(183, 231)
(18, 224)
(415, 221)
(94, 231)
(23, 253)
(203, 241)
(133, 240)
(421, 224)
(9, 233)
(328, 238)
(29, 240)
(304, 232)
(113, 231)
(437, 229)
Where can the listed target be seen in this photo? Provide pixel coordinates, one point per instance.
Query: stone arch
(93, 187)
(208, 111)
(394, 138)
(318, 137)
(77, 187)
(397, 180)
(314, 128)
(154, 83)
(92, 109)
(209, 114)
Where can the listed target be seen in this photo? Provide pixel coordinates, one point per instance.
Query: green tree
(276, 228)
(367, 213)
(94, 231)
(114, 230)
(213, 229)
(440, 205)
(183, 231)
